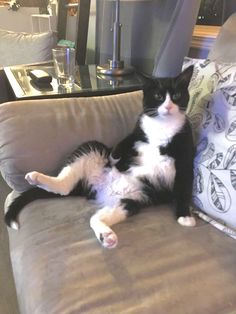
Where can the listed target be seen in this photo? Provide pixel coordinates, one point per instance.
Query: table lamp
(115, 66)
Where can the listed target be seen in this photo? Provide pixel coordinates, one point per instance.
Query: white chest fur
(151, 164)
(161, 129)
(159, 169)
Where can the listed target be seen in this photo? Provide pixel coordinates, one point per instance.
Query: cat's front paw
(108, 239)
(32, 177)
(187, 221)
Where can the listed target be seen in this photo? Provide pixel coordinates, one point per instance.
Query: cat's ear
(148, 82)
(183, 79)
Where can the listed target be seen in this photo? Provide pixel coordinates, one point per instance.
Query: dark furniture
(82, 25)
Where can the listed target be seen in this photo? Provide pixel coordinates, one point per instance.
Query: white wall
(17, 20)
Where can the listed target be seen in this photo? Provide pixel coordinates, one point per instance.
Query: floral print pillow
(212, 112)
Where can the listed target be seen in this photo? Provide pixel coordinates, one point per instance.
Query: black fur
(86, 148)
(125, 150)
(82, 189)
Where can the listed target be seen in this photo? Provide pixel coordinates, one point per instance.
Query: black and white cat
(152, 165)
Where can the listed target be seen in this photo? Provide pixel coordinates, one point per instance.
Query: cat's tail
(14, 209)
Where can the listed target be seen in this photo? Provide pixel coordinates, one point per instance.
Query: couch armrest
(39, 134)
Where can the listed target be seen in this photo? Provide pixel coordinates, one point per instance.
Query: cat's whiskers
(151, 111)
(182, 109)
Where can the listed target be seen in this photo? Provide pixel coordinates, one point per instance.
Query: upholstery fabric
(158, 267)
(39, 134)
(60, 268)
(21, 48)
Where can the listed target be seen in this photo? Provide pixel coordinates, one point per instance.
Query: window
(211, 12)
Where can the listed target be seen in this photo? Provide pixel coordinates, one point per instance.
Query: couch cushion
(158, 266)
(212, 110)
(39, 134)
(21, 48)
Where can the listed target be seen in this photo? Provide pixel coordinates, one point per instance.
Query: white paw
(187, 221)
(108, 239)
(33, 177)
(15, 225)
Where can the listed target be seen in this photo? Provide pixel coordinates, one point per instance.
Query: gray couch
(59, 267)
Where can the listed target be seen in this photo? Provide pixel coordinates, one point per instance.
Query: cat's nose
(168, 106)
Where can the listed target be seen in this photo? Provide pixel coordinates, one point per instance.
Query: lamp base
(114, 68)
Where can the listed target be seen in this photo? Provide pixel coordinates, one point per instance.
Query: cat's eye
(158, 96)
(176, 96)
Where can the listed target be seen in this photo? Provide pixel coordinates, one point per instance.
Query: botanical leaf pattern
(208, 119)
(213, 118)
(198, 181)
(202, 145)
(230, 90)
(225, 79)
(233, 178)
(218, 194)
(231, 99)
(219, 123)
(205, 63)
(230, 157)
(213, 164)
(231, 132)
(209, 152)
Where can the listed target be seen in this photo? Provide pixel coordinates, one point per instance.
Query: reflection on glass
(87, 80)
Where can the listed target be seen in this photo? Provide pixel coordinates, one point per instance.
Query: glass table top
(87, 82)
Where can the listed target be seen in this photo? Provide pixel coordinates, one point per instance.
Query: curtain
(147, 26)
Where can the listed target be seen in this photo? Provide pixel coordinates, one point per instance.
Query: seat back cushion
(22, 48)
(40, 134)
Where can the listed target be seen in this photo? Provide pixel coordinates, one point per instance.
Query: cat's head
(167, 96)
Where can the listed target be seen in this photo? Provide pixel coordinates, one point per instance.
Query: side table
(87, 83)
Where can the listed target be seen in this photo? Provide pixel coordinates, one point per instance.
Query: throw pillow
(22, 48)
(212, 112)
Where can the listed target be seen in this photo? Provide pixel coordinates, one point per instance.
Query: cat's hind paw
(32, 177)
(108, 239)
(15, 225)
(187, 221)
